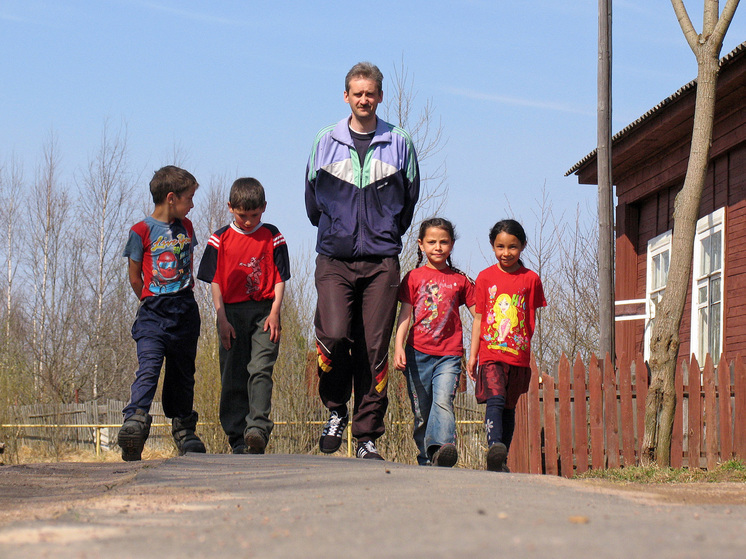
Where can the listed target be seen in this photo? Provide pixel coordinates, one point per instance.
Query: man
(362, 184)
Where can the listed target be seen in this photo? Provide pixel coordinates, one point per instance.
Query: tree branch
(691, 35)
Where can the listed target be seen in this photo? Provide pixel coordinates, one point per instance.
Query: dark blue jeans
(166, 327)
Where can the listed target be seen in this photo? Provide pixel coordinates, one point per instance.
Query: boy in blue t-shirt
(159, 250)
(247, 265)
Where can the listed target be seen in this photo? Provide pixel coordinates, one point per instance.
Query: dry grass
(730, 471)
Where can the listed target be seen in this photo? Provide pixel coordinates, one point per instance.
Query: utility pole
(605, 185)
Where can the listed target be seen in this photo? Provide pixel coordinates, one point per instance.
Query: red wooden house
(649, 159)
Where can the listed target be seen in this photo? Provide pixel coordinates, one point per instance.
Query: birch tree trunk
(661, 400)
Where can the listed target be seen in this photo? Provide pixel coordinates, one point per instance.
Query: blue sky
(242, 87)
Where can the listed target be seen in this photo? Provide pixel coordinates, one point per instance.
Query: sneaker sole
(330, 449)
(132, 446)
(446, 456)
(496, 457)
(255, 443)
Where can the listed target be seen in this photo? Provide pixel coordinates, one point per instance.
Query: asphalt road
(318, 506)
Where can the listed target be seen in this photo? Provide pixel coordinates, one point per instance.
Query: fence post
(98, 441)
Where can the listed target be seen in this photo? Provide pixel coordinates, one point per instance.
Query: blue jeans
(431, 382)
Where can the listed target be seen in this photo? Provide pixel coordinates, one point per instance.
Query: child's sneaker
(331, 437)
(182, 429)
(133, 434)
(496, 457)
(446, 456)
(368, 451)
(240, 448)
(255, 441)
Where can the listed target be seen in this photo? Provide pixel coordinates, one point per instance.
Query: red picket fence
(593, 417)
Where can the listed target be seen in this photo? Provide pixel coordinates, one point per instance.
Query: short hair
(246, 194)
(511, 227)
(170, 179)
(367, 71)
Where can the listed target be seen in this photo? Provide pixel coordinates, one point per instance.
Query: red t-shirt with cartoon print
(507, 303)
(435, 296)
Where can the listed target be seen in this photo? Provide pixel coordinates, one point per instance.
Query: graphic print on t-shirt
(171, 261)
(254, 275)
(506, 321)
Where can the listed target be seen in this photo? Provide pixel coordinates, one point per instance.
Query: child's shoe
(496, 457)
(133, 434)
(367, 450)
(446, 456)
(255, 441)
(182, 429)
(331, 437)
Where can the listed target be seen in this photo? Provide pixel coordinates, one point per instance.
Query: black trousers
(354, 319)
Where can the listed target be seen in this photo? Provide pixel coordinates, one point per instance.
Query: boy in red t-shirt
(247, 265)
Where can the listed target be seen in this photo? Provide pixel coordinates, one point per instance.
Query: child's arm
(273, 320)
(476, 335)
(225, 329)
(402, 329)
(135, 276)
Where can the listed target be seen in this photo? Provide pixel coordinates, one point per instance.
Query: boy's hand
(400, 359)
(471, 365)
(227, 333)
(273, 325)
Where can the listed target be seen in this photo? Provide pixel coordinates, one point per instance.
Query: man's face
(363, 97)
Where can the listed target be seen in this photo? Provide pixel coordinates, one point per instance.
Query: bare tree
(427, 135)
(106, 209)
(48, 210)
(664, 347)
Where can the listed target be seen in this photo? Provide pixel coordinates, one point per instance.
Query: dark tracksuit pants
(354, 319)
(246, 372)
(166, 327)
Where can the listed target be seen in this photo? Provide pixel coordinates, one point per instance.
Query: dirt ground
(40, 491)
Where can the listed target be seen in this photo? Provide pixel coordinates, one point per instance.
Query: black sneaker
(255, 441)
(331, 436)
(446, 456)
(240, 448)
(496, 457)
(133, 434)
(367, 450)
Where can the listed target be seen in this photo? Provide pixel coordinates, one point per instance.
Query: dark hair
(246, 194)
(367, 71)
(511, 227)
(438, 223)
(170, 179)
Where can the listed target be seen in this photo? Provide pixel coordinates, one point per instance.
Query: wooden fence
(593, 417)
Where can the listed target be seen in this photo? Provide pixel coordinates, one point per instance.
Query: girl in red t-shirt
(507, 296)
(431, 296)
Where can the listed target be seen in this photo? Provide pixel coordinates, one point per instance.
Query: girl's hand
(471, 366)
(400, 359)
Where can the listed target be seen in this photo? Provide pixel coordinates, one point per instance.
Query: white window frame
(704, 280)
(656, 246)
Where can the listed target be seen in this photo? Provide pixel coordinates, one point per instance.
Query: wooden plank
(518, 456)
(677, 437)
(610, 414)
(641, 393)
(550, 427)
(739, 403)
(695, 414)
(565, 417)
(627, 417)
(710, 415)
(581, 416)
(596, 406)
(726, 433)
(534, 421)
